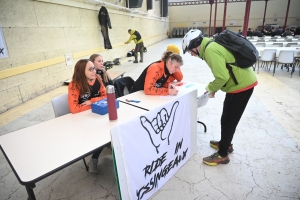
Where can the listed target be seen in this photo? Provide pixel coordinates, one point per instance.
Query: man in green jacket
(237, 95)
(139, 45)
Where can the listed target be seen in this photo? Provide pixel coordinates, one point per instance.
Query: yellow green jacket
(135, 36)
(216, 57)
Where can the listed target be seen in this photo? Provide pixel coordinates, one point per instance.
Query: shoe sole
(214, 164)
(216, 147)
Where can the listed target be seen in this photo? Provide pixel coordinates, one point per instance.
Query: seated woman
(155, 79)
(100, 70)
(86, 88)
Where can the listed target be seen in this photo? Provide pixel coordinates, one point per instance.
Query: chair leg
(293, 69)
(274, 69)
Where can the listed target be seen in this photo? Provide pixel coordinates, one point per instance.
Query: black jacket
(103, 17)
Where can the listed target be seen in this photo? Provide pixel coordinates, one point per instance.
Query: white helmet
(192, 39)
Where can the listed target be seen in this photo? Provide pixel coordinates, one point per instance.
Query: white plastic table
(63, 140)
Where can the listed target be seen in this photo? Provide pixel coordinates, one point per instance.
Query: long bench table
(63, 140)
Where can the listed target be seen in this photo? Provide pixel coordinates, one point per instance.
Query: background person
(155, 79)
(86, 88)
(100, 70)
(237, 95)
(139, 45)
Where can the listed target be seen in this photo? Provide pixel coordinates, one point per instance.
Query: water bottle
(111, 103)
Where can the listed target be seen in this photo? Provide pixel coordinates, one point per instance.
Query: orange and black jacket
(98, 92)
(155, 79)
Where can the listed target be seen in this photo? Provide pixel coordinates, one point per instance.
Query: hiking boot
(215, 144)
(92, 165)
(216, 159)
(141, 61)
(135, 61)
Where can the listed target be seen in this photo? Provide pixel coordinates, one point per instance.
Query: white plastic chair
(276, 45)
(268, 56)
(260, 44)
(61, 107)
(289, 44)
(287, 58)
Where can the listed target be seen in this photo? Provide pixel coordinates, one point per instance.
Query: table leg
(86, 167)
(30, 192)
(203, 125)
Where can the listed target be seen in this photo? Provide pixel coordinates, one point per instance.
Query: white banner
(3, 49)
(155, 146)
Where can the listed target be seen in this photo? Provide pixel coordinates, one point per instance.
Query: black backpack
(243, 50)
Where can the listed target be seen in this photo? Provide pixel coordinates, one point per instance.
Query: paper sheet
(202, 100)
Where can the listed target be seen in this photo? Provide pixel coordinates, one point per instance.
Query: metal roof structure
(188, 3)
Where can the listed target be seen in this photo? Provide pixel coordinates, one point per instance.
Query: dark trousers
(139, 48)
(104, 31)
(233, 108)
(96, 154)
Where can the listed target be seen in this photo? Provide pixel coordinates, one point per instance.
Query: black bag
(145, 49)
(108, 65)
(243, 50)
(116, 61)
(130, 53)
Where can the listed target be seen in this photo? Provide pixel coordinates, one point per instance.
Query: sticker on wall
(69, 59)
(3, 48)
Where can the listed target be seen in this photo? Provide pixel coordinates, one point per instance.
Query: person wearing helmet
(139, 44)
(237, 95)
(156, 78)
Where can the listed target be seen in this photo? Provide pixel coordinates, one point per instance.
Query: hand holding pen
(172, 90)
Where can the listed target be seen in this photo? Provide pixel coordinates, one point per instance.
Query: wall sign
(3, 48)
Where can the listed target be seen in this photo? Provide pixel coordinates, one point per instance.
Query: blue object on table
(189, 85)
(100, 107)
(135, 101)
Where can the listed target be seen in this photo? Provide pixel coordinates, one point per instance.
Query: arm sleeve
(73, 96)
(217, 64)
(178, 75)
(108, 20)
(153, 74)
(102, 92)
(130, 39)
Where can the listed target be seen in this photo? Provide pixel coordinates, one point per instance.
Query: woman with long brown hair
(86, 88)
(100, 70)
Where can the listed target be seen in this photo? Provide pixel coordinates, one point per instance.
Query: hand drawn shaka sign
(160, 127)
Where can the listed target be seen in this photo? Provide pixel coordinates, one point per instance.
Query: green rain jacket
(135, 37)
(216, 56)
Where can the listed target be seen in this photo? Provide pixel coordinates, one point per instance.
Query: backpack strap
(231, 73)
(227, 66)
(208, 43)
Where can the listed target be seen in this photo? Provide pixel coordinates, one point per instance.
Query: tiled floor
(265, 163)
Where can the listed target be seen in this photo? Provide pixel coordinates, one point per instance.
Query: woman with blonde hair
(100, 70)
(155, 79)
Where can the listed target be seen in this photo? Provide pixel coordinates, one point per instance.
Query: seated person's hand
(173, 91)
(87, 103)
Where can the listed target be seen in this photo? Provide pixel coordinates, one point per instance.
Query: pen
(135, 101)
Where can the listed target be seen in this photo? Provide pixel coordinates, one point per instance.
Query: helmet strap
(197, 53)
